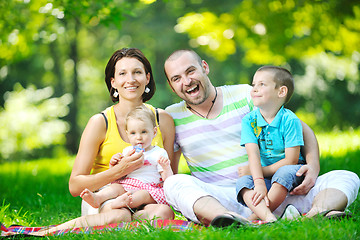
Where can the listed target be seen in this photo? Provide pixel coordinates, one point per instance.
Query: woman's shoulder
(100, 120)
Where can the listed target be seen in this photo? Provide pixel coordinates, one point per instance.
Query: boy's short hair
(141, 113)
(282, 77)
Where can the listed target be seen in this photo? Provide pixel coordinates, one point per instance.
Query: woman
(129, 79)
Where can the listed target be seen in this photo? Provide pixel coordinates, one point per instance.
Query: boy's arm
(291, 158)
(260, 190)
(312, 168)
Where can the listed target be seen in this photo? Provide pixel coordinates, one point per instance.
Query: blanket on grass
(173, 225)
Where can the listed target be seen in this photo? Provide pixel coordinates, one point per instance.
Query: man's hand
(308, 183)
(244, 170)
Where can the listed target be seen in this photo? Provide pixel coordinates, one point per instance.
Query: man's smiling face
(188, 78)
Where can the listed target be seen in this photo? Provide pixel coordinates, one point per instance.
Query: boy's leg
(282, 182)
(276, 195)
(261, 210)
(245, 192)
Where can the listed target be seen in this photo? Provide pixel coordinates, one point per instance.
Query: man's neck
(215, 108)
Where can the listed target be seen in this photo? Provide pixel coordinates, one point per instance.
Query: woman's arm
(91, 139)
(167, 129)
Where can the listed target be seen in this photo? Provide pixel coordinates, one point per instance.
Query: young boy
(144, 185)
(272, 136)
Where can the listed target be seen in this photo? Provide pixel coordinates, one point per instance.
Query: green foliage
(317, 40)
(65, 44)
(31, 120)
(271, 32)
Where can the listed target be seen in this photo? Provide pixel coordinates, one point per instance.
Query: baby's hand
(244, 170)
(164, 162)
(115, 159)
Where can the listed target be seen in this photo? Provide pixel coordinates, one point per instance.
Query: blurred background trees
(53, 55)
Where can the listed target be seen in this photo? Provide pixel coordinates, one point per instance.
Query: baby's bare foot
(121, 201)
(90, 198)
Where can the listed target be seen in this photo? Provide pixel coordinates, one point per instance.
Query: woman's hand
(129, 162)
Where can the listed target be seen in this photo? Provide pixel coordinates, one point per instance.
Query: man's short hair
(177, 53)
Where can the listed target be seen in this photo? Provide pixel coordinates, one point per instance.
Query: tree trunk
(73, 136)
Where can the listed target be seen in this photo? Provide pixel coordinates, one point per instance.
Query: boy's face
(264, 93)
(140, 132)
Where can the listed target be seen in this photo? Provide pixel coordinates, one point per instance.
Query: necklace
(207, 115)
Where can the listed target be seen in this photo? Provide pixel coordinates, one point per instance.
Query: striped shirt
(211, 147)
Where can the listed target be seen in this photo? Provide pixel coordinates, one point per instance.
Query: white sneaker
(290, 213)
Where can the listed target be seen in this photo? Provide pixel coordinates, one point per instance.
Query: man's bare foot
(121, 201)
(90, 198)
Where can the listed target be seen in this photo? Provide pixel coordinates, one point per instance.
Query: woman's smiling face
(130, 78)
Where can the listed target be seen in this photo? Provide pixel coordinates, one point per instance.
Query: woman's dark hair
(130, 53)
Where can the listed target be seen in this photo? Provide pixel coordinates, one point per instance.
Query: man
(208, 126)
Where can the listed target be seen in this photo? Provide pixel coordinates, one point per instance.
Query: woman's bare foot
(121, 201)
(90, 198)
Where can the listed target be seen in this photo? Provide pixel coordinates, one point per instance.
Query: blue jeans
(285, 176)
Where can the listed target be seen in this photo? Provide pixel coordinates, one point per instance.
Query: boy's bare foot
(90, 198)
(121, 201)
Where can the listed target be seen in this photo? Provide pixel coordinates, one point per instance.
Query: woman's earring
(147, 90)
(115, 94)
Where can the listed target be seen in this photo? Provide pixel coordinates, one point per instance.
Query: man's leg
(333, 190)
(207, 208)
(202, 202)
(328, 199)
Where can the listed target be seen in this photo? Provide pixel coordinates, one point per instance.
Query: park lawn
(35, 193)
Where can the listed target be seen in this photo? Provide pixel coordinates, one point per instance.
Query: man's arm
(312, 168)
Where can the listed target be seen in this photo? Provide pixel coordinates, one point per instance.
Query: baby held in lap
(144, 185)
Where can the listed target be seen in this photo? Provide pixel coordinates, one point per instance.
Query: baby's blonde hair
(141, 113)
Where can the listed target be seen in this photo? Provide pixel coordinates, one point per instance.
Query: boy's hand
(244, 170)
(260, 193)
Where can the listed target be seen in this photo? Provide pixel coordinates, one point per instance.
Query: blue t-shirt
(284, 131)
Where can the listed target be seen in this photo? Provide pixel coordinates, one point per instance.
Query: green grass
(35, 193)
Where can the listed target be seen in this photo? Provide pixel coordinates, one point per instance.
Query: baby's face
(140, 132)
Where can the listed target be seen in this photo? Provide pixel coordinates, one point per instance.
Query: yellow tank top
(113, 143)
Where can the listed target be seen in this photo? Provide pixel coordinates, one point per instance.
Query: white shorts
(182, 191)
(345, 181)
